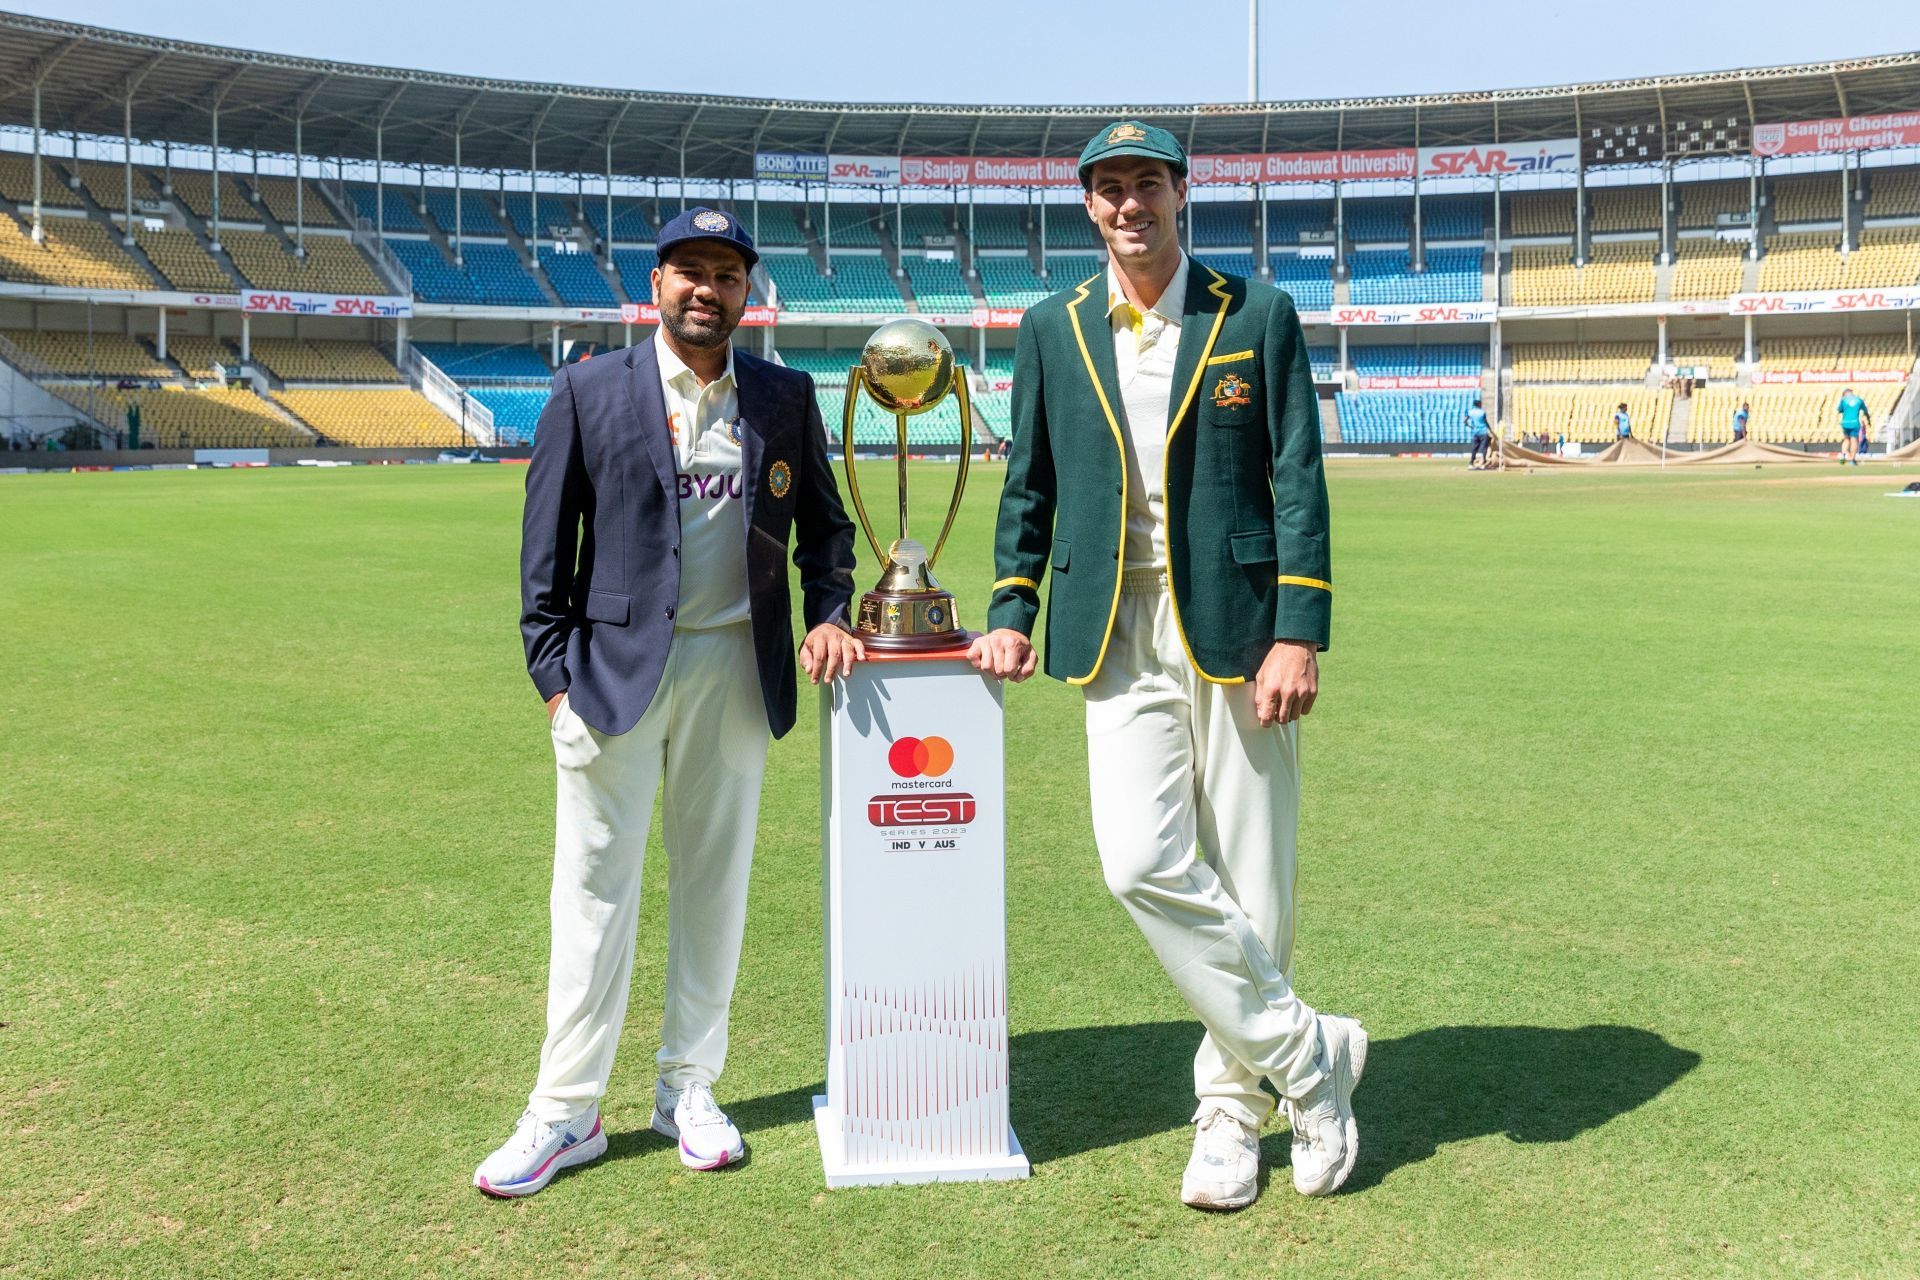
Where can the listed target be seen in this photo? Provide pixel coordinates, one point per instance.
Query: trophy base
(909, 622)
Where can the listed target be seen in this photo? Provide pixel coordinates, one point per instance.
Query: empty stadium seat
(75, 253)
(97, 354)
(1069, 228)
(516, 411)
(400, 417)
(1288, 220)
(630, 222)
(1233, 264)
(1784, 413)
(1704, 267)
(16, 183)
(1453, 218)
(636, 272)
(998, 226)
(493, 274)
(175, 417)
(1618, 271)
(1221, 224)
(1385, 276)
(1702, 203)
(1540, 213)
(855, 226)
(277, 194)
(1806, 197)
(1586, 413)
(1403, 417)
(179, 258)
(1010, 281)
(332, 265)
(1893, 193)
(479, 362)
(1625, 208)
(475, 211)
(1811, 260)
(1309, 281)
(938, 285)
(577, 278)
(389, 207)
(553, 211)
(1581, 361)
(322, 360)
(1718, 355)
(198, 354)
(194, 189)
(1405, 360)
(1373, 221)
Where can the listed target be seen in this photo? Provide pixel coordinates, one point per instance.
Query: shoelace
(536, 1132)
(701, 1108)
(1217, 1128)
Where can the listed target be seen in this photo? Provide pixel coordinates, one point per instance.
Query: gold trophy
(907, 367)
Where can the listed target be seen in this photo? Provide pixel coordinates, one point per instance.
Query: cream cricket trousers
(1179, 765)
(705, 737)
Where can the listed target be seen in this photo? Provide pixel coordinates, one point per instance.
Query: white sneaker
(537, 1151)
(1326, 1138)
(1224, 1172)
(707, 1138)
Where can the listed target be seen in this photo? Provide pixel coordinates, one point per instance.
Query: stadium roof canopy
(87, 73)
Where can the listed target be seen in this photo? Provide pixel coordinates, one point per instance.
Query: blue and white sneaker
(691, 1117)
(537, 1151)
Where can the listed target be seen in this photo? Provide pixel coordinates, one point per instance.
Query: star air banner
(864, 171)
(1510, 159)
(1418, 313)
(1906, 298)
(1851, 133)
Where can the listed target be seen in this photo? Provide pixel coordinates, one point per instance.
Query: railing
(368, 241)
(448, 396)
(1901, 421)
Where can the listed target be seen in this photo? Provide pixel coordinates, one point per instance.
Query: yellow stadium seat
(1581, 362)
(1783, 414)
(187, 417)
(1625, 208)
(1704, 267)
(97, 354)
(322, 360)
(16, 183)
(1540, 213)
(333, 265)
(377, 419)
(77, 253)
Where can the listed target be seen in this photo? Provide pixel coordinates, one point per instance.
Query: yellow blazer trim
(1119, 442)
(1218, 290)
(1238, 355)
(1288, 580)
(1024, 582)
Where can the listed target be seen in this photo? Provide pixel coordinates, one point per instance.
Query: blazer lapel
(1095, 338)
(650, 409)
(749, 392)
(1205, 308)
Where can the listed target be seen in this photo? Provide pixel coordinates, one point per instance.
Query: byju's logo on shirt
(710, 486)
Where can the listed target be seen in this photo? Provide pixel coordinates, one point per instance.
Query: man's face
(1134, 200)
(702, 293)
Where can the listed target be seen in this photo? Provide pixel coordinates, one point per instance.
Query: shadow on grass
(1086, 1088)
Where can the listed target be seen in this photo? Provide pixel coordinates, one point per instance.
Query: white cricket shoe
(537, 1151)
(1326, 1138)
(1224, 1172)
(707, 1138)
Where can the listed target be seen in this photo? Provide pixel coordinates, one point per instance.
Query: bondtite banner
(1302, 166)
(648, 313)
(864, 171)
(788, 166)
(1504, 159)
(1851, 133)
(988, 171)
(1906, 298)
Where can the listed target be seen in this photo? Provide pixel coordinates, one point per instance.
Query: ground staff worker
(1166, 468)
(664, 485)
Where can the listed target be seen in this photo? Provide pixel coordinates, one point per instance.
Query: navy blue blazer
(600, 538)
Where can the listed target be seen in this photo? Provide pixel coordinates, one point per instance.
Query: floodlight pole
(1253, 50)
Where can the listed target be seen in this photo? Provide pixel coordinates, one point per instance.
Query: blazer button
(669, 612)
(1119, 489)
(1116, 553)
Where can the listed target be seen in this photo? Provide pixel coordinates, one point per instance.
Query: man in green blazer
(1166, 469)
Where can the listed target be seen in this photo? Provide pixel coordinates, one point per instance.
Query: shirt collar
(1172, 301)
(673, 368)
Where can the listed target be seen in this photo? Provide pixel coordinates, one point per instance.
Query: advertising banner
(988, 171)
(1418, 313)
(864, 171)
(1505, 159)
(788, 166)
(1303, 166)
(997, 317)
(1850, 133)
(1836, 377)
(1905, 298)
(325, 304)
(1434, 382)
(648, 313)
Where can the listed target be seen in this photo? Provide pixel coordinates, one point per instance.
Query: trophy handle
(966, 457)
(856, 383)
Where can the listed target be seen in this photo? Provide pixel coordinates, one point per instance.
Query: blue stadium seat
(1308, 280)
(554, 212)
(516, 411)
(1453, 218)
(1403, 417)
(1233, 264)
(467, 362)
(1404, 360)
(476, 219)
(493, 274)
(998, 226)
(938, 285)
(576, 278)
(1384, 275)
(630, 222)
(396, 206)
(1287, 219)
(1324, 361)
(636, 272)
(1371, 221)
(1226, 224)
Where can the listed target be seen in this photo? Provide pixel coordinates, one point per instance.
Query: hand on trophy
(1004, 654)
(830, 650)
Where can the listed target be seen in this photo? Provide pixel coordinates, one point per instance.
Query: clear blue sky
(1027, 51)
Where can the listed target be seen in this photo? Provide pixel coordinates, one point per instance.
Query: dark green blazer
(1246, 500)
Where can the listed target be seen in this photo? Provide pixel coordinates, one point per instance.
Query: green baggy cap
(1133, 138)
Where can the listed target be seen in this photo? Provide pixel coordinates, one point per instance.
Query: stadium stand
(1704, 267)
(390, 207)
(921, 223)
(1807, 197)
(179, 257)
(476, 214)
(394, 418)
(333, 265)
(1374, 221)
(477, 363)
(1833, 352)
(1308, 280)
(1069, 229)
(1288, 220)
(1403, 417)
(855, 226)
(1384, 275)
(1719, 355)
(107, 183)
(1233, 264)
(322, 360)
(1618, 271)
(1221, 224)
(1453, 218)
(76, 253)
(1586, 413)
(1010, 281)
(194, 189)
(1325, 362)
(1811, 260)
(999, 226)
(1540, 213)
(1404, 360)
(860, 283)
(630, 222)
(493, 274)
(636, 272)
(1581, 361)
(278, 195)
(16, 183)
(1893, 193)
(1634, 208)
(576, 277)
(554, 211)
(516, 411)
(938, 285)
(1702, 203)
(779, 227)
(828, 366)
(1783, 414)
(197, 355)
(175, 417)
(88, 355)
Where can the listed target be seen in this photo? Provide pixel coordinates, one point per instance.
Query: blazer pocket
(608, 606)
(1253, 548)
(1062, 552)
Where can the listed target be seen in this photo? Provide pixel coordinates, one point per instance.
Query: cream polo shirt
(705, 422)
(1144, 356)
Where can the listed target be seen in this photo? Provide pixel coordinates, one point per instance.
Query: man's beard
(699, 334)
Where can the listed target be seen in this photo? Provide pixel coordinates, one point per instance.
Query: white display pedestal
(912, 806)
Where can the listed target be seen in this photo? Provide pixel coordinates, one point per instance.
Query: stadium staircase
(1678, 417)
(530, 261)
(1662, 280)
(193, 223)
(1329, 418)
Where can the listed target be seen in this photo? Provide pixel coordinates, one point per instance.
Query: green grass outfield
(1610, 836)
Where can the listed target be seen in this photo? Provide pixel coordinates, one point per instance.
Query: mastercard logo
(920, 757)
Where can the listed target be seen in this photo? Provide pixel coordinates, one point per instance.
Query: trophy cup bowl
(907, 367)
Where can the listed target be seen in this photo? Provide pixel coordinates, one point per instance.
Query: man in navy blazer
(664, 485)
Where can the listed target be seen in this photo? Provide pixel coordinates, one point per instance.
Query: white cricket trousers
(1179, 765)
(705, 736)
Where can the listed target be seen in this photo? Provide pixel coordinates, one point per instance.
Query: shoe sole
(1344, 1085)
(664, 1126)
(581, 1153)
(1211, 1203)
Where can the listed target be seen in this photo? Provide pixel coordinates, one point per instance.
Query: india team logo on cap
(779, 479)
(1125, 133)
(708, 220)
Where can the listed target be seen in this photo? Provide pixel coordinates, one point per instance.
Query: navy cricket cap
(701, 223)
